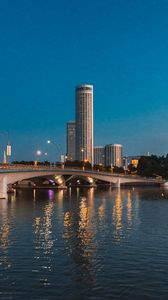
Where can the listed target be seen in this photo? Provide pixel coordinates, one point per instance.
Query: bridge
(12, 174)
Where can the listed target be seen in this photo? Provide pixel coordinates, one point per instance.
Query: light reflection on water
(84, 243)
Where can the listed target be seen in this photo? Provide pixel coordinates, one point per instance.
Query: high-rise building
(84, 123)
(71, 140)
(99, 155)
(113, 155)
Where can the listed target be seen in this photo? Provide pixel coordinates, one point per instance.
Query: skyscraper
(113, 155)
(71, 140)
(99, 157)
(84, 123)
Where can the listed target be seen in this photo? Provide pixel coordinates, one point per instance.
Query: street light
(38, 154)
(58, 147)
(82, 151)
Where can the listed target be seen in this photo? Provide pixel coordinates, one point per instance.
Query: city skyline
(120, 47)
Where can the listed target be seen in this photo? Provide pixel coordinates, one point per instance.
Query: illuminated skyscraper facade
(84, 123)
(99, 155)
(71, 140)
(113, 155)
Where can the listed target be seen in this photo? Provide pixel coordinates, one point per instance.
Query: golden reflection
(37, 221)
(129, 209)
(67, 221)
(86, 227)
(136, 197)
(117, 215)
(79, 231)
(48, 226)
(90, 196)
(60, 195)
(101, 210)
(34, 194)
(43, 229)
(4, 235)
(83, 213)
(82, 223)
(77, 193)
(68, 224)
(44, 241)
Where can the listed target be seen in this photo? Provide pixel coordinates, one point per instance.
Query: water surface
(84, 244)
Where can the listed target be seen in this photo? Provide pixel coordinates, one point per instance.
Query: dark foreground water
(84, 244)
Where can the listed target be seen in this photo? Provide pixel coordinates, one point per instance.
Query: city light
(57, 147)
(38, 152)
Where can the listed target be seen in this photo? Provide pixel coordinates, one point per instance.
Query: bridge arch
(10, 176)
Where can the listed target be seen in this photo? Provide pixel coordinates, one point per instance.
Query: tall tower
(71, 140)
(84, 123)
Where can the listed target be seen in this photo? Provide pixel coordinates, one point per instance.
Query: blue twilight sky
(47, 47)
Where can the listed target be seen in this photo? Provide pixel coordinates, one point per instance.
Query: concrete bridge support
(3, 186)
(117, 184)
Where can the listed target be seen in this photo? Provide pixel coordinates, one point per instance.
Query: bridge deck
(66, 171)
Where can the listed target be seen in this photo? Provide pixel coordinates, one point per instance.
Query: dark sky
(49, 47)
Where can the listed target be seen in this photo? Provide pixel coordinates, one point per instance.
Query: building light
(8, 150)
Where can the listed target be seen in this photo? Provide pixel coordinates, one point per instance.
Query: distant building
(84, 123)
(133, 160)
(113, 155)
(125, 162)
(99, 155)
(71, 140)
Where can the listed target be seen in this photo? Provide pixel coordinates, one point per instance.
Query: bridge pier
(3, 186)
(117, 184)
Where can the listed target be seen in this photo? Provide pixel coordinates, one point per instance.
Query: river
(84, 244)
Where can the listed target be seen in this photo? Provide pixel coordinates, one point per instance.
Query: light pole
(58, 147)
(82, 151)
(38, 154)
(112, 168)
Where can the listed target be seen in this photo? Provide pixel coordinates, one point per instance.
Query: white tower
(84, 123)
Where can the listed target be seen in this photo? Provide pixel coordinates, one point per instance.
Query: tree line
(149, 166)
(153, 166)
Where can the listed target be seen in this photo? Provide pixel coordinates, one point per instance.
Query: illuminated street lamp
(82, 151)
(58, 147)
(38, 154)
